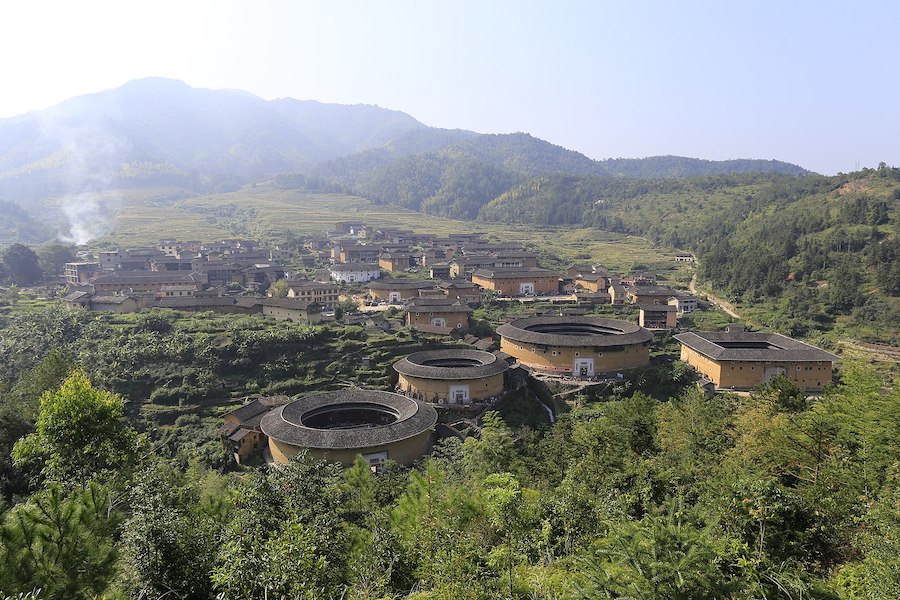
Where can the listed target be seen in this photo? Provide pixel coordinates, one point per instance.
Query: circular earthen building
(452, 376)
(339, 425)
(576, 345)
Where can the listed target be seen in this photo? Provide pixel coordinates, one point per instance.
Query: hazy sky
(810, 82)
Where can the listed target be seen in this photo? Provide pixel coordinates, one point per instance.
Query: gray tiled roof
(783, 348)
(284, 423)
(516, 272)
(415, 365)
(437, 305)
(610, 332)
(386, 283)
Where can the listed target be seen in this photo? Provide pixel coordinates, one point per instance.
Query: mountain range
(154, 132)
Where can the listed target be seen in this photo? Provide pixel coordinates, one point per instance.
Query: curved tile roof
(416, 365)
(284, 424)
(606, 332)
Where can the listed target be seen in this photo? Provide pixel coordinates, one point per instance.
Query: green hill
(803, 254)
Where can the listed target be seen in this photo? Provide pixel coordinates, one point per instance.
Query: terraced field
(139, 217)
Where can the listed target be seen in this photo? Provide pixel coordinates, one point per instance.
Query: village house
(144, 281)
(395, 261)
(683, 304)
(512, 259)
(177, 289)
(290, 309)
(518, 282)
(741, 360)
(356, 253)
(397, 291)
(463, 290)
(355, 272)
(241, 432)
(438, 315)
(616, 291)
(464, 266)
(649, 294)
(109, 260)
(81, 273)
(657, 317)
(592, 282)
(440, 271)
(325, 294)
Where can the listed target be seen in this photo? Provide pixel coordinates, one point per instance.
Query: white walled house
(355, 272)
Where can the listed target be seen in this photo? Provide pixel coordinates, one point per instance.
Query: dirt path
(728, 307)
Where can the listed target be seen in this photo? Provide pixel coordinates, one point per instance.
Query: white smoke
(90, 156)
(87, 219)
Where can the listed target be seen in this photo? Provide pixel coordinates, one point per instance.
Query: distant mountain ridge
(162, 132)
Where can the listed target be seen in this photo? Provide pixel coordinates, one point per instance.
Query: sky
(816, 83)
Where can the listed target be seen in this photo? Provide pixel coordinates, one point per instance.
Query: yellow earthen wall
(479, 389)
(404, 452)
(510, 286)
(457, 320)
(808, 376)
(636, 355)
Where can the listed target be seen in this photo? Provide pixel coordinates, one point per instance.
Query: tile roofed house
(397, 290)
(518, 282)
(742, 359)
(649, 294)
(241, 432)
(438, 315)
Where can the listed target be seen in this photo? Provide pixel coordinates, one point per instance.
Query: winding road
(728, 307)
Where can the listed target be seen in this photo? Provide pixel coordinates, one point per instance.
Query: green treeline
(812, 250)
(767, 496)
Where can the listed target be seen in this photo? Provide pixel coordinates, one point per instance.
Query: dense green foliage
(816, 252)
(690, 497)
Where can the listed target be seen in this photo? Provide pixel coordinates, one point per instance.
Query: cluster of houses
(232, 276)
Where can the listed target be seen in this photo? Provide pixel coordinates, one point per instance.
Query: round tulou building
(452, 376)
(336, 426)
(576, 345)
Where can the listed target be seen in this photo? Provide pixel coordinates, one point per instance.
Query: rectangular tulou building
(742, 360)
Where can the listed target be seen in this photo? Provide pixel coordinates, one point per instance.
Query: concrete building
(326, 294)
(742, 360)
(576, 345)
(452, 376)
(337, 426)
(683, 304)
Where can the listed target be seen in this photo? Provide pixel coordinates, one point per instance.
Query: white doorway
(459, 394)
(583, 367)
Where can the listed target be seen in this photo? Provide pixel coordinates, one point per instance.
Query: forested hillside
(458, 179)
(818, 252)
(650, 490)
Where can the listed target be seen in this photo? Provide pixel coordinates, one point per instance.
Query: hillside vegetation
(804, 254)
